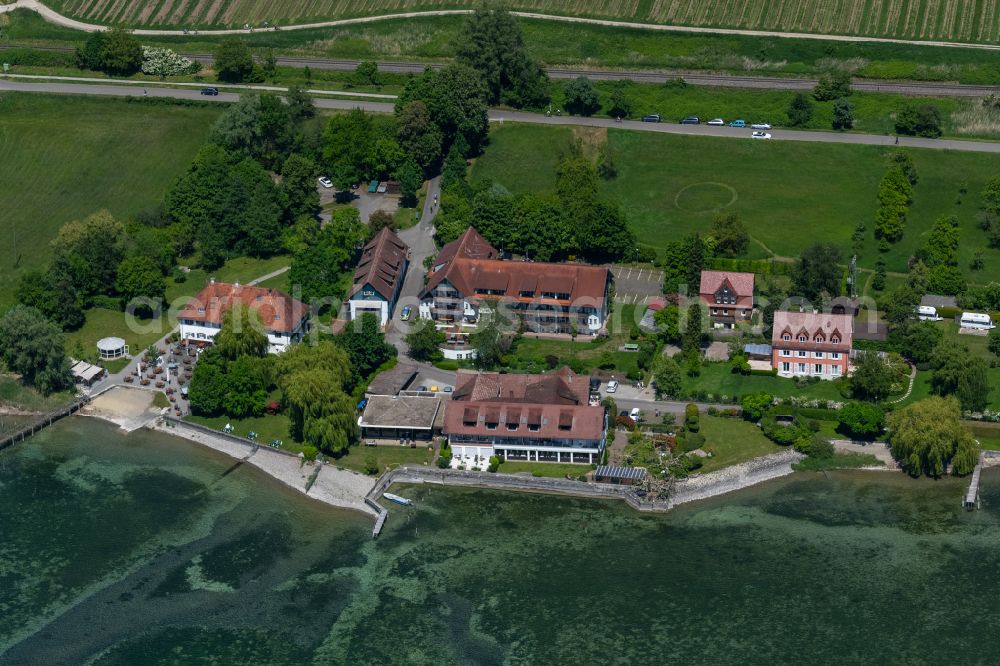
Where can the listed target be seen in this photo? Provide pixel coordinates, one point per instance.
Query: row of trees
(895, 193)
(577, 221)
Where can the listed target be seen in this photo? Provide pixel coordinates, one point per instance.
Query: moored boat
(397, 499)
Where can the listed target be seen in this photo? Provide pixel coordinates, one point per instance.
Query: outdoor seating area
(170, 371)
(476, 463)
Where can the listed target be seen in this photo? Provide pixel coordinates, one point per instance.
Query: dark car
(210, 91)
(690, 120)
(651, 118)
(595, 384)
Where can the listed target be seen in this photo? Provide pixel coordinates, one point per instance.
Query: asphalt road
(500, 116)
(921, 88)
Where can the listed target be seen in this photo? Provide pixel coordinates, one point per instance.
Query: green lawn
(987, 434)
(732, 441)
(718, 379)
(64, 158)
(789, 194)
(385, 456)
(267, 427)
(559, 470)
(838, 461)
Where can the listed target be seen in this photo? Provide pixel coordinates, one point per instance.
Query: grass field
(385, 456)
(958, 20)
(556, 470)
(15, 394)
(732, 441)
(789, 194)
(718, 379)
(63, 159)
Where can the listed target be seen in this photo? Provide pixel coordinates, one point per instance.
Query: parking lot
(636, 285)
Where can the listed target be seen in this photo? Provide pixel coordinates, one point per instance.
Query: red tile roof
(812, 325)
(469, 264)
(740, 283)
(554, 406)
(278, 311)
(381, 264)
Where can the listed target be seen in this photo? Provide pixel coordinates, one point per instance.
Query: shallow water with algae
(146, 549)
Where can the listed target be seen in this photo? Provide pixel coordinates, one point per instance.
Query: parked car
(738, 123)
(634, 414)
(448, 389)
(651, 118)
(210, 91)
(325, 182)
(761, 126)
(405, 314)
(717, 121)
(612, 386)
(760, 135)
(690, 120)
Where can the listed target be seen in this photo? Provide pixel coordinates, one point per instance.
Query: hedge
(758, 266)
(36, 58)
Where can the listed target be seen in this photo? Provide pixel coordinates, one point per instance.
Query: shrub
(690, 442)
(755, 404)
(820, 447)
(494, 464)
(692, 418)
(165, 62)
(309, 452)
(371, 465)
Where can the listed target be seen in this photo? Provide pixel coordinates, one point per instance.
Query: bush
(494, 464)
(923, 120)
(755, 404)
(690, 441)
(692, 418)
(309, 452)
(371, 465)
(820, 447)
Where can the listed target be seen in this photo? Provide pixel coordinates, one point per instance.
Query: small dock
(382, 514)
(971, 500)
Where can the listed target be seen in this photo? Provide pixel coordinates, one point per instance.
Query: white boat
(397, 499)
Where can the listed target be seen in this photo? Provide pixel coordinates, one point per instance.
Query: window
(803, 354)
(512, 426)
(818, 368)
(725, 312)
(491, 426)
(786, 367)
(534, 428)
(786, 352)
(802, 367)
(835, 369)
(786, 337)
(802, 338)
(835, 340)
(835, 356)
(818, 354)
(820, 338)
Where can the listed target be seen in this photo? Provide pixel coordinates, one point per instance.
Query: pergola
(112, 348)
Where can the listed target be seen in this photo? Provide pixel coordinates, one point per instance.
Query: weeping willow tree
(242, 334)
(313, 381)
(928, 434)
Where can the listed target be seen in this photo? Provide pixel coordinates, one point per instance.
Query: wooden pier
(971, 500)
(41, 422)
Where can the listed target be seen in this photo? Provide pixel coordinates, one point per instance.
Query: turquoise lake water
(145, 549)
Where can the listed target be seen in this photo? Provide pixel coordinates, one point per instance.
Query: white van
(928, 313)
(612, 386)
(634, 414)
(976, 320)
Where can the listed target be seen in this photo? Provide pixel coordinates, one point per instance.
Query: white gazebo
(112, 348)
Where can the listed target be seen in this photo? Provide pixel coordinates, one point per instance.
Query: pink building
(811, 344)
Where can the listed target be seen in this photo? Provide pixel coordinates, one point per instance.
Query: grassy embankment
(964, 20)
(789, 194)
(732, 441)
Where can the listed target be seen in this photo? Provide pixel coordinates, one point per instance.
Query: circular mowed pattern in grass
(705, 197)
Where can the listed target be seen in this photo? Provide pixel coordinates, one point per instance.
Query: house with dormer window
(728, 297)
(379, 276)
(811, 344)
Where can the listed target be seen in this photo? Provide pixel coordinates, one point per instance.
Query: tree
(425, 341)
(832, 86)
(208, 383)
(419, 136)
(321, 268)
(994, 341)
(894, 197)
(900, 305)
(121, 53)
(87, 253)
(928, 434)
(54, 295)
(904, 161)
(455, 166)
(365, 346)
(300, 103)
(872, 379)
(800, 111)
(410, 179)
(539, 229)
(861, 420)
(379, 220)
(667, 378)
(366, 73)
(620, 106)
(312, 380)
(730, 235)
(242, 334)
(245, 393)
(919, 120)
(456, 98)
(843, 114)
(298, 182)
(915, 340)
(878, 280)
(91, 54)
(582, 97)
(755, 405)
(490, 341)
(668, 322)
(959, 372)
(818, 271)
(234, 62)
(491, 42)
(692, 329)
(33, 347)
(140, 278)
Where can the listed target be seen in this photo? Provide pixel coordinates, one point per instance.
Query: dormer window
(802, 338)
(835, 341)
(786, 337)
(819, 338)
